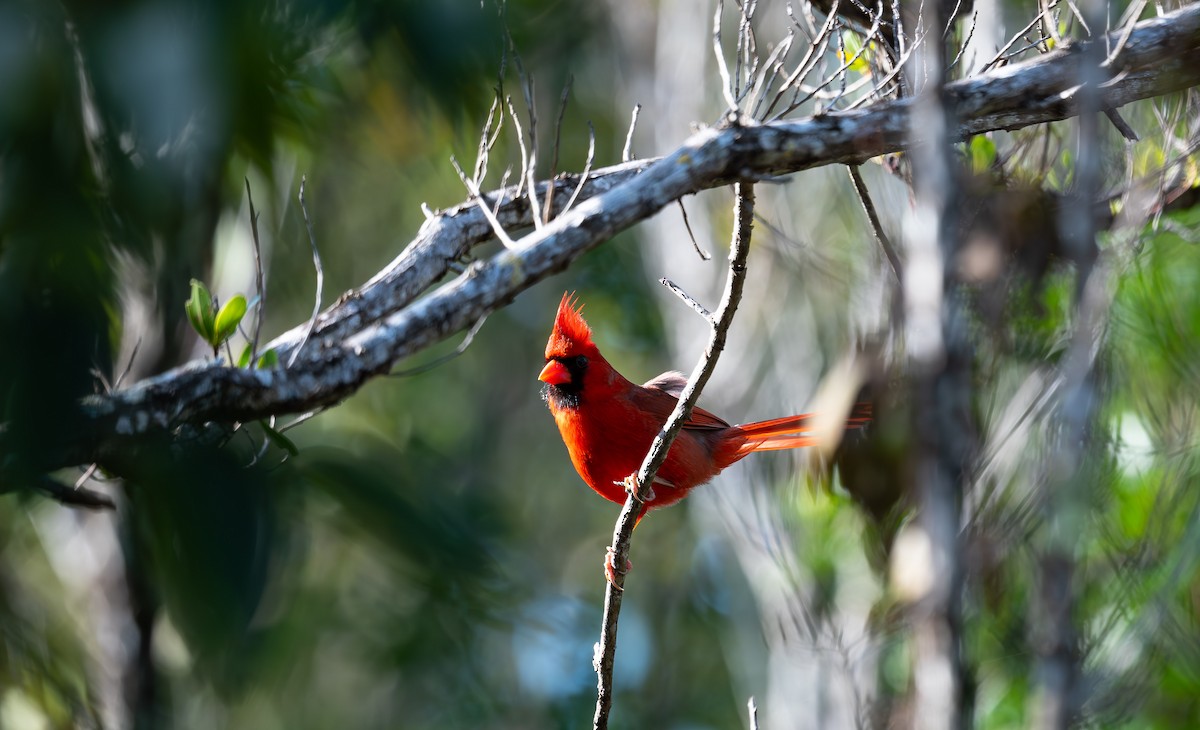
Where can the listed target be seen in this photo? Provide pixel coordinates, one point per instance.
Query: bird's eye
(581, 362)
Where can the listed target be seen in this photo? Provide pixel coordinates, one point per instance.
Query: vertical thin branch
(259, 281)
(627, 152)
(488, 213)
(587, 167)
(722, 67)
(738, 252)
(312, 239)
(562, 111)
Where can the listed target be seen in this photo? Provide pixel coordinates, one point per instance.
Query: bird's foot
(610, 570)
(630, 484)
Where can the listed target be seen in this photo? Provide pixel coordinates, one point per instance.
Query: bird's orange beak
(555, 373)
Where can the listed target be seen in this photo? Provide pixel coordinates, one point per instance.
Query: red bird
(608, 422)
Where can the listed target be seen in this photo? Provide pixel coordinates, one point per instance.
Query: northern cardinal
(608, 422)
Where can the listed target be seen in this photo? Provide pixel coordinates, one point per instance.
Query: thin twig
(86, 475)
(1121, 125)
(627, 151)
(770, 71)
(587, 167)
(752, 708)
(128, 364)
(747, 48)
(623, 531)
(487, 138)
(896, 71)
(512, 113)
(312, 239)
(303, 417)
(261, 449)
(462, 347)
(562, 111)
(1129, 26)
(500, 190)
(529, 92)
(259, 280)
(885, 243)
(1002, 53)
(704, 255)
(688, 299)
(806, 64)
(840, 73)
(528, 162)
(77, 497)
(722, 68)
(492, 220)
(966, 42)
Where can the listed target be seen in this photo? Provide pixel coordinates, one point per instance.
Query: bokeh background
(430, 558)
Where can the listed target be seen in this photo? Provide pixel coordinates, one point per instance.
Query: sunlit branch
(738, 253)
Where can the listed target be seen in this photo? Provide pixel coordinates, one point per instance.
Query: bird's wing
(659, 396)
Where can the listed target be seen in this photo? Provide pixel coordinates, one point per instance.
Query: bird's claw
(630, 484)
(610, 570)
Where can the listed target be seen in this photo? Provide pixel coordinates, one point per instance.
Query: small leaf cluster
(216, 324)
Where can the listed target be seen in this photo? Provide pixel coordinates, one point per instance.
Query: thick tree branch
(368, 330)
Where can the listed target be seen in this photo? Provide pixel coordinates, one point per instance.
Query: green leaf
(983, 153)
(268, 359)
(853, 48)
(277, 438)
(229, 317)
(200, 311)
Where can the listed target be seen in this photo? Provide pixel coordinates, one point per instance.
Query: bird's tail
(790, 432)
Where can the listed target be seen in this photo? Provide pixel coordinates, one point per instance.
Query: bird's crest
(571, 333)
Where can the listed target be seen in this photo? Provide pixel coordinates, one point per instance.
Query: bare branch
(734, 283)
(528, 162)
(312, 239)
(587, 168)
(1003, 52)
(688, 299)
(473, 189)
(259, 281)
(128, 364)
(462, 347)
(562, 110)
(74, 496)
(1121, 125)
(627, 151)
(966, 41)
(885, 243)
(806, 64)
(722, 67)
(488, 137)
(704, 255)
